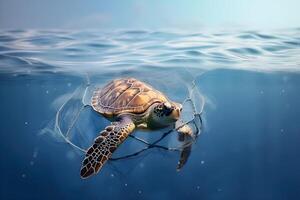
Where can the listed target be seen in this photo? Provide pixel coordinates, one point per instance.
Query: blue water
(248, 148)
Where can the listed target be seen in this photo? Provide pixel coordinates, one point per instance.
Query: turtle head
(166, 113)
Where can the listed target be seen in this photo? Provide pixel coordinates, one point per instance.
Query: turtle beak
(177, 111)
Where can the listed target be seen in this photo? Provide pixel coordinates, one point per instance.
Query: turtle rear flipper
(104, 146)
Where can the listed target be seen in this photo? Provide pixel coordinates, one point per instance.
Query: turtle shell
(127, 95)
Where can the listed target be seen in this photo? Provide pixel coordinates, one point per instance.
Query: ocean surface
(247, 82)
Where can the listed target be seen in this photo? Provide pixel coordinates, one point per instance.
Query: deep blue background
(249, 148)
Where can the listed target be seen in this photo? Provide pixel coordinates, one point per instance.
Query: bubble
(35, 153)
(23, 175)
(126, 184)
(140, 192)
(26, 123)
(112, 175)
(202, 162)
(47, 91)
(142, 165)
(69, 84)
(261, 92)
(285, 78)
(31, 163)
(198, 187)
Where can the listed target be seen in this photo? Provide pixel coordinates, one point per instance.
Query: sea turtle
(129, 104)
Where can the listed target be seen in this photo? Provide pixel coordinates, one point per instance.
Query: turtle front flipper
(104, 146)
(184, 155)
(186, 136)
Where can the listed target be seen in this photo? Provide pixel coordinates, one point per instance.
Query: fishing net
(77, 124)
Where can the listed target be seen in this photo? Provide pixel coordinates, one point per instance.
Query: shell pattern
(127, 95)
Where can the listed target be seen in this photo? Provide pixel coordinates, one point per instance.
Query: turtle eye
(159, 108)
